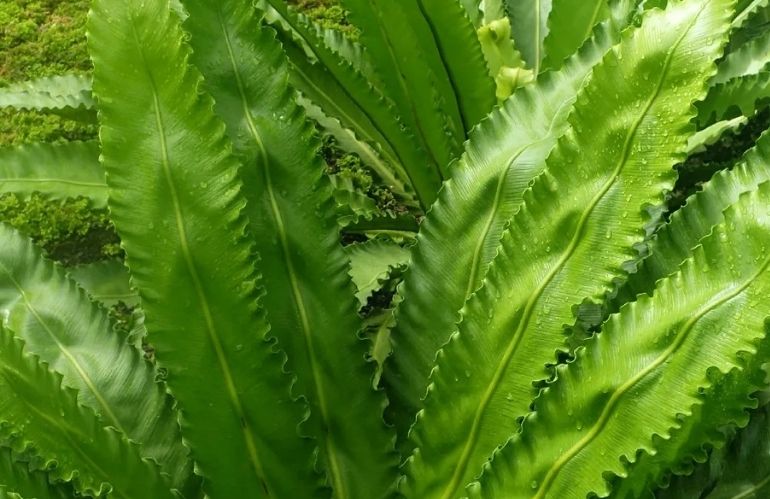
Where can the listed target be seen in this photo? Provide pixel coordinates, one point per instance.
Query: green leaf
(459, 47)
(673, 243)
(18, 480)
(61, 326)
(529, 26)
(347, 141)
(711, 135)
(605, 169)
(405, 51)
(745, 10)
(748, 59)
(309, 300)
(474, 12)
(739, 96)
(371, 263)
(49, 94)
(343, 93)
(719, 409)
(176, 203)
(106, 282)
(58, 171)
(459, 237)
(37, 411)
(569, 25)
(740, 470)
(653, 361)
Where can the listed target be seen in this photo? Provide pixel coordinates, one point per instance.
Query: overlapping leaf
(529, 24)
(61, 326)
(675, 240)
(712, 420)
(175, 199)
(19, 481)
(616, 158)
(653, 361)
(344, 93)
(58, 171)
(309, 299)
(460, 235)
(36, 410)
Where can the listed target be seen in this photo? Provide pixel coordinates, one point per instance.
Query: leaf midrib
(681, 337)
(420, 132)
(75, 445)
(211, 330)
(473, 434)
(340, 488)
(475, 260)
(71, 359)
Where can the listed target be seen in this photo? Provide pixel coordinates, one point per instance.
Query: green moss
(69, 231)
(350, 165)
(42, 38)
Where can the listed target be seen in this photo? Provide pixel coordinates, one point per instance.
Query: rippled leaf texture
(106, 282)
(718, 410)
(748, 59)
(460, 234)
(38, 411)
(628, 128)
(371, 263)
(739, 96)
(61, 326)
(673, 243)
(175, 199)
(49, 94)
(18, 481)
(343, 92)
(740, 470)
(650, 363)
(58, 171)
(309, 299)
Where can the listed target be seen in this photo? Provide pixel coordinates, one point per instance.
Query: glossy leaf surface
(168, 162)
(571, 245)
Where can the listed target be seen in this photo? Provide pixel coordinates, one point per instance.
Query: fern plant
(554, 331)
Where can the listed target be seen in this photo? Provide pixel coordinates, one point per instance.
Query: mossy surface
(43, 38)
(69, 231)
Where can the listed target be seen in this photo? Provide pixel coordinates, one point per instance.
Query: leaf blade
(197, 281)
